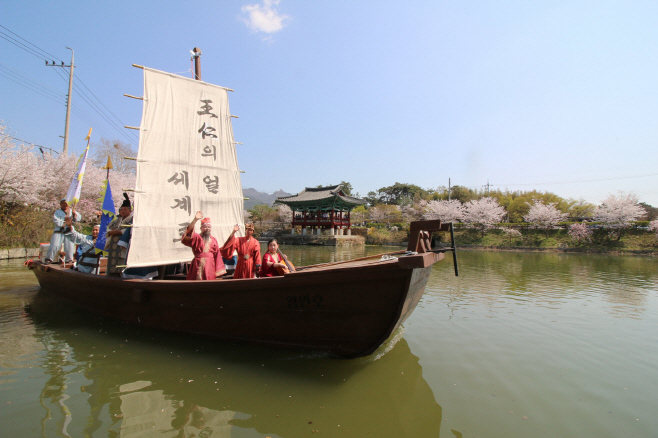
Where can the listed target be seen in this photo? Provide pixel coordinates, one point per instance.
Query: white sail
(186, 163)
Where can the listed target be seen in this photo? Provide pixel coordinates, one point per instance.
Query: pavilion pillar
(319, 233)
(303, 230)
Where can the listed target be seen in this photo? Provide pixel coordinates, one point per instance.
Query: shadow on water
(141, 382)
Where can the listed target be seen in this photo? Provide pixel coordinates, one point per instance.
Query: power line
(100, 112)
(118, 120)
(29, 80)
(34, 50)
(33, 144)
(85, 98)
(578, 181)
(20, 45)
(31, 89)
(51, 56)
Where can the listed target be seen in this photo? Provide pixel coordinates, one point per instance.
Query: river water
(520, 345)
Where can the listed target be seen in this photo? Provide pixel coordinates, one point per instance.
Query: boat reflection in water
(136, 382)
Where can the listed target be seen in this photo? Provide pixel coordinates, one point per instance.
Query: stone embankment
(18, 253)
(310, 239)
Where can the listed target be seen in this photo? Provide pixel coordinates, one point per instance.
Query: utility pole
(68, 99)
(196, 56)
(448, 189)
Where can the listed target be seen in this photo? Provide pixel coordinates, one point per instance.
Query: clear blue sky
(560, 96)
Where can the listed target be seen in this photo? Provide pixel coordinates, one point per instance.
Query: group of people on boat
(209, 257)
(208, 261)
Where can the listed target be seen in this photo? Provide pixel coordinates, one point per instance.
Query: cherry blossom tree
(616, 212)
(580, 232)
(28, 177)
(285, 213)
(513, 234)
(544, 216)
(446, 211)
(483, 213)
(414, 212)
(653, 226)
(377, 214)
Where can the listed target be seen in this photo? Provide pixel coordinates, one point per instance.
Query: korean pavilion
(322, 208)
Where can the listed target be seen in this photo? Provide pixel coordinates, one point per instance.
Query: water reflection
(548, 280)
(142, 383)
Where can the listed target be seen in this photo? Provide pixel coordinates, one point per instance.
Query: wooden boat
(347, 309)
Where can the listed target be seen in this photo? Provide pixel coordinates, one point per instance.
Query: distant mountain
(256, 197)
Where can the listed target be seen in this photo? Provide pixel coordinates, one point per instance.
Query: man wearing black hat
(116, 228)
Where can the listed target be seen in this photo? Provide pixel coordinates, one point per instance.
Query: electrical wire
(30, 81)
(118, 120)
(52, 57)
(33, 144)
(31, 89)
(20, 45)
(85, 98)
(577, 181)
(84, 95)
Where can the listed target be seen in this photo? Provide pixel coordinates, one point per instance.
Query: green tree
(400, 194)
(347, 188)
(262, 212)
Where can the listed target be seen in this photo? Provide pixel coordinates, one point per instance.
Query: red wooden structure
(321, 208)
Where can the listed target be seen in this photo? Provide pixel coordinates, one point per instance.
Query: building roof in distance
(323, 197)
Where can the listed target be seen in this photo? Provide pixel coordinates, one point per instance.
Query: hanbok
(207, 263)
(58, 239)
(248, 255)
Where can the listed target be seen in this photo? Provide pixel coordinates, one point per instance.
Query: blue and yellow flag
(108, 214)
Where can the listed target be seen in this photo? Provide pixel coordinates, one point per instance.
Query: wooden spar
(138, 66)
(133, 97)
(235, 117)
(352, 260)
(131, 127)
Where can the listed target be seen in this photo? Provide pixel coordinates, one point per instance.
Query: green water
(521, 345)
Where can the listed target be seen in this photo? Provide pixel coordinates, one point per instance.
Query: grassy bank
(632, 240)
(27, 227)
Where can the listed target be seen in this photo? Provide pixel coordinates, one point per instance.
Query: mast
(196, 56)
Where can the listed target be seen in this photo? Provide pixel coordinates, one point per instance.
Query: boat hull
(347, 310)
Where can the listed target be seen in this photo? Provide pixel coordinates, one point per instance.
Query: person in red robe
(248, 252)
(272, 261)
(207, 263)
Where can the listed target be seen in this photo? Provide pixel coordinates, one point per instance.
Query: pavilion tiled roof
(312, 195)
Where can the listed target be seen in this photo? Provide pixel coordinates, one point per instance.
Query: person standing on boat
(57, 239)
(248, 252)
(207, 263)
(88, 262)
(117, 253)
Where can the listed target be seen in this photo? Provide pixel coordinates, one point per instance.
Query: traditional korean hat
(249, 227)
(205, 220)
(63, 200)
(126, 201)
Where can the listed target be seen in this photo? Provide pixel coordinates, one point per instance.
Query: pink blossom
(618, 211)
(446, 211)
(544, 216)
(29, 177)
(580, 232)
(483, 213)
